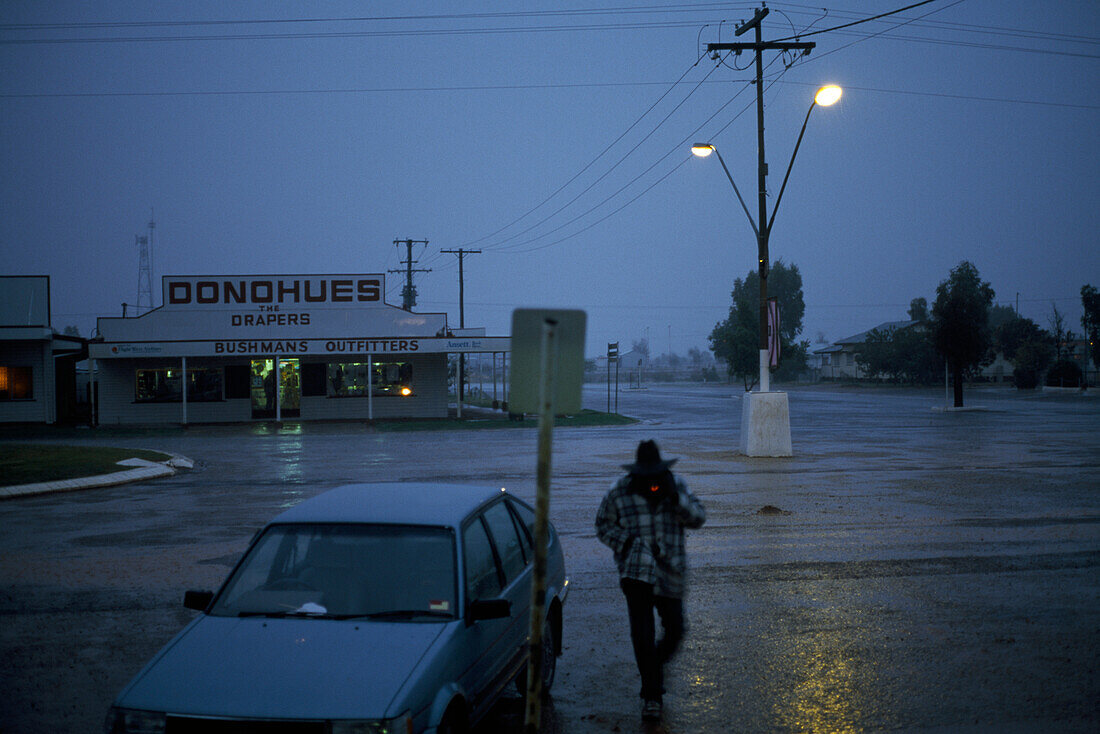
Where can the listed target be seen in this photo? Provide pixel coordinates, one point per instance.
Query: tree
(1058, 330)
(641, 346)
(918, 309)
(960, 323)
(1090, 321)
(71, 331)
(905, 354)
(736, 339)
(1000, 315)
(1027, 347)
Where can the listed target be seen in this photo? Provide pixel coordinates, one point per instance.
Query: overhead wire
(678, 146)
(606, 173)
(637, 9)
(598, 156)
(857, 22)
(662, 178)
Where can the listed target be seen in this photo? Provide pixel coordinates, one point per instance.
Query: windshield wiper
(398, 614)
(282, 615)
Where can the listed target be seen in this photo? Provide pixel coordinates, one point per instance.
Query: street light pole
(761, 179)
(759, 435)
(764, 230)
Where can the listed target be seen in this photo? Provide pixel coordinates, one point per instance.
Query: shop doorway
(269, 387)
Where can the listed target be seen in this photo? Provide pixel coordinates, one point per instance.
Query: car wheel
(549, 656)
(549, 661)
(454, 722)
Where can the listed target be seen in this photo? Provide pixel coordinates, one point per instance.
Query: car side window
(507, 544)
(527, 518)
(482, 578)
(524, 535)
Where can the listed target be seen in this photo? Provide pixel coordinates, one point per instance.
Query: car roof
(397, 503)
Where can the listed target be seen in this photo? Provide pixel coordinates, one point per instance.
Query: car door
(517, 585)
(482, 638)
(495, 568)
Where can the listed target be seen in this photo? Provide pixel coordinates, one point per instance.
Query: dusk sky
(273, 138)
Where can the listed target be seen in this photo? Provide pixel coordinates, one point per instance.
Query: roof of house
(861, 337)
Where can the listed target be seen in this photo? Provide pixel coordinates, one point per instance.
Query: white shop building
(272, 347)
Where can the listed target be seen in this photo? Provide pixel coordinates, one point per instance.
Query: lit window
(166, 385)
(350, 379)
(16, 383)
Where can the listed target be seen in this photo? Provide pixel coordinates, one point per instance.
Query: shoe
(651, 710)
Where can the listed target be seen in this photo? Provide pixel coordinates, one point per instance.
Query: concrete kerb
(143, 470)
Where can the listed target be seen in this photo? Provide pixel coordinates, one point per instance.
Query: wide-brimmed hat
(648, 461)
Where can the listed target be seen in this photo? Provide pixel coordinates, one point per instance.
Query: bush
(1064, 373)
(1025, 379)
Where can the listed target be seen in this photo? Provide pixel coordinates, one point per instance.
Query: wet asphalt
(921, 570)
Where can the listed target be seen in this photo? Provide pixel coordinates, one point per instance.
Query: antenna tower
(145, 267)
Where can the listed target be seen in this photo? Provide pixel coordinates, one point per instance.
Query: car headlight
(133, 721)
(401, 725)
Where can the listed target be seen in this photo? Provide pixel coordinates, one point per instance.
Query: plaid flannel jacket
(649, 544)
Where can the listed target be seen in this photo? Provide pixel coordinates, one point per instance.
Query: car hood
(282, 668)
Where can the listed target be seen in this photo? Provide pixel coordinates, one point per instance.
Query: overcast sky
(554, 137)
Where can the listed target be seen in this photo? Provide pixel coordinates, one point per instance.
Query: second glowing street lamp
(825, 96)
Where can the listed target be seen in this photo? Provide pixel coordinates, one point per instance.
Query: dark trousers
(651, 654)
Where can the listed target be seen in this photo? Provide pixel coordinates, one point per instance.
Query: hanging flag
(773, 332)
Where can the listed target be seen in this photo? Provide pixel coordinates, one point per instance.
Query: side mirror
(489, 609)
(198, 600)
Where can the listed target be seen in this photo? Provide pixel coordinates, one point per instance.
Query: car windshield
(393, 572)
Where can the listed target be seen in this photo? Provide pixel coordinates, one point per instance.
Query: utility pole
(764, 230)
(461, 319)
(408, 293)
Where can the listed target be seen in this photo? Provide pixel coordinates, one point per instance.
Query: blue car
(370, 608)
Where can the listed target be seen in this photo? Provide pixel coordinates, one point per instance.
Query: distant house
(37, 365)
(838, 360)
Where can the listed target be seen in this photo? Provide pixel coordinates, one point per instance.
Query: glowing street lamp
(828, 95)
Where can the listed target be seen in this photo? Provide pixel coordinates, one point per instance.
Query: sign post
(773, 332)
(547, 370)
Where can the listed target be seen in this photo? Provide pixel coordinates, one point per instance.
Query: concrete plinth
(765, 424)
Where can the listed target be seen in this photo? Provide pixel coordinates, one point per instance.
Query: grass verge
(23, 463)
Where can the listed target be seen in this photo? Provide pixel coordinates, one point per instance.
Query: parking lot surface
(921, 569)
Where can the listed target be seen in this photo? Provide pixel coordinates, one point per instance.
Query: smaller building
(838, 360)
(37, 365)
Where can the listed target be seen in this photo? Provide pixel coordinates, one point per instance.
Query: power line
(419, 32)
(609, 170)
(598, 156)
(652, 9)
(678, 146)
(855, 22)
(509, 87)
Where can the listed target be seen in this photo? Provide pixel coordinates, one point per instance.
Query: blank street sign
(523, 393)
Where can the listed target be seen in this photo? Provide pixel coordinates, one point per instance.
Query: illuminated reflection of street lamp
(825, 96)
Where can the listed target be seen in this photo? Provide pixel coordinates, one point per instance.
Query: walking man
(642, 519)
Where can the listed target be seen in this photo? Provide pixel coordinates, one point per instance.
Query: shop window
(237, 385)
(314, 375)
(166, 385)
(16, 383)
(350, 379)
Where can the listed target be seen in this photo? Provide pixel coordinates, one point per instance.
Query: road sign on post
(612, 359)
(547, 371)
